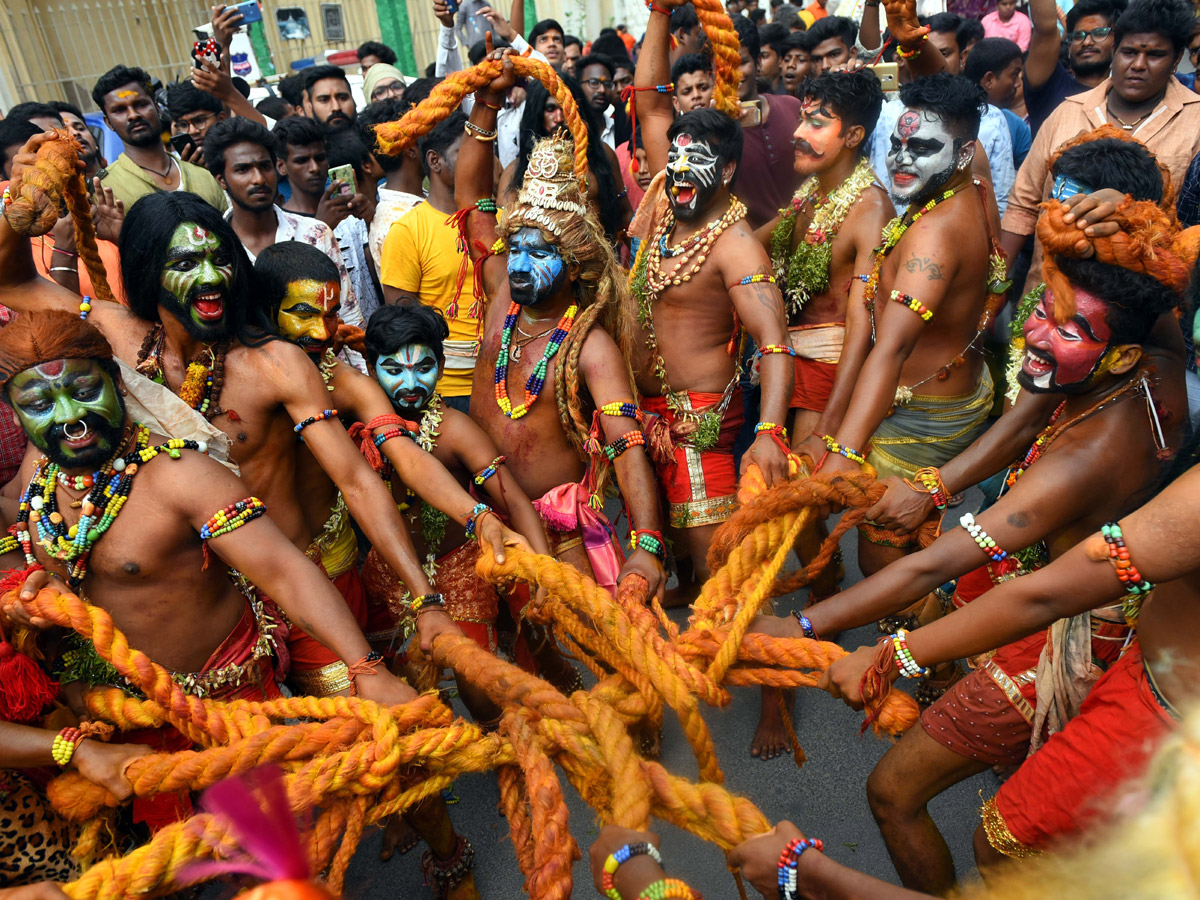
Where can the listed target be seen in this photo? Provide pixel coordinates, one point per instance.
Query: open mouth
(903, 179)
(209, 306)
(684, 194)
(1035, 366)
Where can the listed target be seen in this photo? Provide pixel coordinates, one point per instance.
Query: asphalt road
(826, 798)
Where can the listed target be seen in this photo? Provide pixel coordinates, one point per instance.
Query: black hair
(721, 131)
(417, 91)
(774, 36)
(689, 63)
(225, 134)
(374, 48)
(320, 73)
(569, 40)
(185, 98)
(945, 23)
(533, 128)
(958, 100)
(14, 134)
(757, 16)
(441, 137)
(346, 147)
(478, 50)
(833, 27)
(62, 106)
(1133, 301)
(541, 28)
(683, 18)
(1173, 19)
(143, 248)
(857, 97)
(281, 264)
(274, 108)
(747, 36)
(295, 131)
(116, 77)
(1125, 166)
(992, 54)
(398, 325)
(594, 59)
(788, 16)
(614, 48)
(32, 110)
(1110, 9)
(291, 89)
(970, 31)
(375, 114)
(798, 40)
(241, 85)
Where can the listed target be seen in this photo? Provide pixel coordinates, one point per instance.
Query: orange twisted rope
(55, 179)
(726, 55)
(393, 138)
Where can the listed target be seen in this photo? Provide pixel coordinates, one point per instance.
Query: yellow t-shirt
(421, 256)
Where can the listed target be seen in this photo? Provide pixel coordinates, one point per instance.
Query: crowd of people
(952, 248)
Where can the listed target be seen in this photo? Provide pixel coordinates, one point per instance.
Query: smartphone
(888, 75)
(181, 142)
(250, 10)
(208, 50)
(344, 175)
(751, 113)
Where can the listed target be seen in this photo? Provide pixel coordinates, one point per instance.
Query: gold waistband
(336, 547)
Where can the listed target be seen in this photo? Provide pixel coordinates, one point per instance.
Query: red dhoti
(700, 484)
(1067, 784)
(818, 349)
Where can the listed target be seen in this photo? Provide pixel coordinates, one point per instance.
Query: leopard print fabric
(35, 842)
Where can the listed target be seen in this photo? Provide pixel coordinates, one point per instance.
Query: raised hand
(903, 24)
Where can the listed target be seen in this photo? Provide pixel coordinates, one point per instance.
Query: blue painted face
(409, 376)
(1066, 187)
(536, 269)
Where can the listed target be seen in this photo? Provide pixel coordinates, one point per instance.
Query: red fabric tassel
(25, 689)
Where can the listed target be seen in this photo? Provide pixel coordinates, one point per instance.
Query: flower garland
(804, 269)
(537, 378)
(204, 378)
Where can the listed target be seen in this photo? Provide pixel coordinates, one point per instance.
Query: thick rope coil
(394, 138)
(38, 197)
(726, 55)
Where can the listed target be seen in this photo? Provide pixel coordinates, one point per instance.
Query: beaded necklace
(804, 269)
(326, 366)
(205, 376)
(537, 378)
(73, 544)
(692, 253)
(893, 231)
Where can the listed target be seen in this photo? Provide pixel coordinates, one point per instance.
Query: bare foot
(397, 835)
(464, 890)
(770, 738)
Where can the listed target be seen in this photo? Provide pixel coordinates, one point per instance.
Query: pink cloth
(565, 508)
(631, 185)
(1018, 28)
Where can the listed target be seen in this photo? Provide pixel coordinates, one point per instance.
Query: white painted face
(922, 155)
(693, 176)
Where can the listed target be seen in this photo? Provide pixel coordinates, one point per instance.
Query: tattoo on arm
(932, 270)
(768, 296)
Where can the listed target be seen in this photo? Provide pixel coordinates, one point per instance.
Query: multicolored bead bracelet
(85, 306)
(913, 303)
(755, 279)
(618, 858)
(488, 471)
(904, 659)
(985, 541)
(623, 443)
(64, 745)
(771, 428)
(624, 409)
(789, 860)
(930, 479)
(650, 541)
(848, 452)
(232, 517)
(479, 510)
(667, 888)
(806, 625)
(384, 436)
(768, 349)
(1118, 555)
(324, 414)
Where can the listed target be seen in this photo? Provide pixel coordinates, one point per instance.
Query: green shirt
(129, 182)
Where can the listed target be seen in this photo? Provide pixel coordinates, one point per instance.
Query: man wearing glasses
(193, 112)
(596, 78)
(1089, 50)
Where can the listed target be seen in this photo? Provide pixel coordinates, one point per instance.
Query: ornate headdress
(550, 187)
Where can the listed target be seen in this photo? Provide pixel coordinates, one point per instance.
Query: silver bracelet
(64, 269)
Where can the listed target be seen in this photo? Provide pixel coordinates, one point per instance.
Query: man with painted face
(703, 282)
(923, 393)
(300, 288)
(1083, 344)
(558, 324)
(828, 233)
(147, 565)
(189, 327)
(404, 349)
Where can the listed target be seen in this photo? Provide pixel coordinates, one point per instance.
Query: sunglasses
(1097, 34)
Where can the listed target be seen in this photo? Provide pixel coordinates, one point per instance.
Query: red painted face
(818, 138)
(1065, 357)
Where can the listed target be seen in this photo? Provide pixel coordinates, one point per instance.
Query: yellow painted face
(308, 315)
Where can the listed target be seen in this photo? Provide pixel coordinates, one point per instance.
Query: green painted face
(196, 279)
(71, 410)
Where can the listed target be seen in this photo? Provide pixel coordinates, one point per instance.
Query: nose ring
(75, 437)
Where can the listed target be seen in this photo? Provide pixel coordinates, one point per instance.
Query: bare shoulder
(599, 350)
(868, 217)
(738, 252)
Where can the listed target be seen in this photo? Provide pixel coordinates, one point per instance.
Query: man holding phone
(193, 113)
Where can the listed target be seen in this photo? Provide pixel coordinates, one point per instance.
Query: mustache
(805, 147)
(95, 424)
